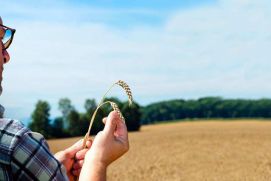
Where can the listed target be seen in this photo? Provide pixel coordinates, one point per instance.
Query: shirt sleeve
(32, 160)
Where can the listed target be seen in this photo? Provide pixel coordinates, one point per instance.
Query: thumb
(111, 124)
(71, 151)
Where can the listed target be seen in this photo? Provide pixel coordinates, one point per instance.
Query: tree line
(74, 123)
(207, 107)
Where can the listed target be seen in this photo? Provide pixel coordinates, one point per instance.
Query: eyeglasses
(8, 36)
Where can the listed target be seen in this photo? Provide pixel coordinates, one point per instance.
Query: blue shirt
(25, 155)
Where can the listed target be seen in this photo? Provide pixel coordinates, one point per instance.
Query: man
(25, 155)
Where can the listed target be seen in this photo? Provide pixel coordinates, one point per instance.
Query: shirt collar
(2, 110)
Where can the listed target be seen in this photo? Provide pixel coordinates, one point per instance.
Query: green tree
(90, 105)
(208, 106)
(58, 130)
(65, 106)
(132, 116)
(40, 119)
(74, 127)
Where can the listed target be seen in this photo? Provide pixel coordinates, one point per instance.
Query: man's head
(5, 32)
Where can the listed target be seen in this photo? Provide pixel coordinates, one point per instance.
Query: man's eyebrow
(2, 28)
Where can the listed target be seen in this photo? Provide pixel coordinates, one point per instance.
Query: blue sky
(163, 49)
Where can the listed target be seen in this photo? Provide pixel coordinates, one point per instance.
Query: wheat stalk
(115, 107)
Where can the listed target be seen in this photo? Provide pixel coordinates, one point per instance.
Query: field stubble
(200, 150)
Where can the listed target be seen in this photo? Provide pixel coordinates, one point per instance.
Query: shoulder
(32, 155)
(12, 126)
(27, 153)
(11, 132)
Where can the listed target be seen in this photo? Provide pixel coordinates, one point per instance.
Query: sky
(163, 49)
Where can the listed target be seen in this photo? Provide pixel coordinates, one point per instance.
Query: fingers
(117, 127)
(76, 172)
(77, 147)
(121, 130)
(89, 143)
(111, 122)
(79, 159)
(71, 151)
(104, 120)
(78, 164)
(81, 154)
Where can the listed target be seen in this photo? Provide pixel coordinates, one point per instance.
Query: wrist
(92, 162)
(98, 166)
(95, 157)
(93, 170)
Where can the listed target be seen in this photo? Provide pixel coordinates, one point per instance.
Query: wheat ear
(127, 90)
(115, 107)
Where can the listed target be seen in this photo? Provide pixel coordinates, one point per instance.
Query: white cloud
(220, 49)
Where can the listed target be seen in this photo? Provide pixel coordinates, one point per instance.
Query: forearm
(93, 172)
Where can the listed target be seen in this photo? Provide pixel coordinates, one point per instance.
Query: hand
(72, 158)
(108, 145)
(111, 143)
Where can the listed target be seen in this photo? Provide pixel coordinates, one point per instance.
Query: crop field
(200, 150)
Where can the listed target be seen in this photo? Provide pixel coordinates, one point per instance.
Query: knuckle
(115, 114)
(66, 154)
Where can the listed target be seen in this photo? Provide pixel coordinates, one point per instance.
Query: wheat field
(198, 150)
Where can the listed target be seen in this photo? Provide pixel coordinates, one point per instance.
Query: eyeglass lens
(7, 38)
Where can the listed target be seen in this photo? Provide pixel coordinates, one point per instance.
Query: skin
(108, 145)
(4, 56)
(73, 158)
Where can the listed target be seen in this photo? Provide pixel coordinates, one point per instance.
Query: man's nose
(6, 56)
